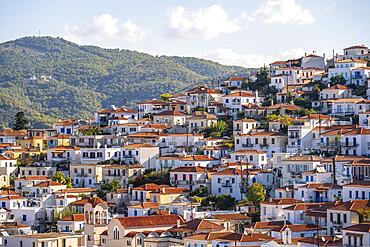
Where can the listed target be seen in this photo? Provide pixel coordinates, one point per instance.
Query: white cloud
(282, 11)
(249, 60)
(105, 26)
(293, 53)
(204, 23)
(230, 57)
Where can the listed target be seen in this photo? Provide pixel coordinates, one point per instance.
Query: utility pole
(334, 171)
(242, 180)
(317, 231)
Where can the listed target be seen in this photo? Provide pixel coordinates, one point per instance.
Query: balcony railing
(247, 145)
(226, 185)
(293, 137)
(338, 144)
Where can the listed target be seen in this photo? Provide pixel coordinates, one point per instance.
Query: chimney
(163, 190)
(178, 222)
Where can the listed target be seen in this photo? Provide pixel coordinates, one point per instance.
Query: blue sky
(240, 32)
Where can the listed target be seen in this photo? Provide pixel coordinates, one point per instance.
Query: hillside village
(276, 158)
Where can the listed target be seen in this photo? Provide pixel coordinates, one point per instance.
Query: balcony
(338, 144)
(81, 175)
(127, 156)
(226, 185)
(265, 145)
(294, 146)
(337, 223)
(247, 145)
(200, 181)
(293, 137)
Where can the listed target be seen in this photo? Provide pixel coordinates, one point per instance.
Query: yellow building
(35, 142)
(166, 194)
(61, 140)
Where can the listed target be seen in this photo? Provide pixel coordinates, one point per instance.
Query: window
(115, 233)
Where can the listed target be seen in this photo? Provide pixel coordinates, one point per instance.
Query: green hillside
(83, 78)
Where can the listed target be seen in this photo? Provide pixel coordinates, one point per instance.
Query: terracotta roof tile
(150, 221)
(74, 217)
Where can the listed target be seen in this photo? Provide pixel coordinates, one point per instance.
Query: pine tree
(20, 121)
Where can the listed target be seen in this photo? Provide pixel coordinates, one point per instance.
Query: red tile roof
(150, 221)
(198, 225)
(93, 200)
(74, 217)
(240, 94)
(170, 113)
(362, 227)
(282, 201)
(228, 217)
(197, 169)
(48, 184)
(351, 205)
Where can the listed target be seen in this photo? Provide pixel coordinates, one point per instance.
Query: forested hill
(79, 79)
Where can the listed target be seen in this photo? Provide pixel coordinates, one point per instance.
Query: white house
(234, 101)
(345, 67)
(190, 177)
(244, 126)
(355, 52)
(171, 118)
(337, 91)
(270, 142)
(143, 154)
(99, 154)
(64, 154)
(257, 158)
(357, 235)
(72, 224)
(344, 214)
(359, 190)
(273, 210)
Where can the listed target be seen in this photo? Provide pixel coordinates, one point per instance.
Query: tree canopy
(20, 121)
(51, 78)
(60, 178)
(256, 193)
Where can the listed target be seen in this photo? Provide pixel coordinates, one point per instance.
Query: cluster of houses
(314, 166)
